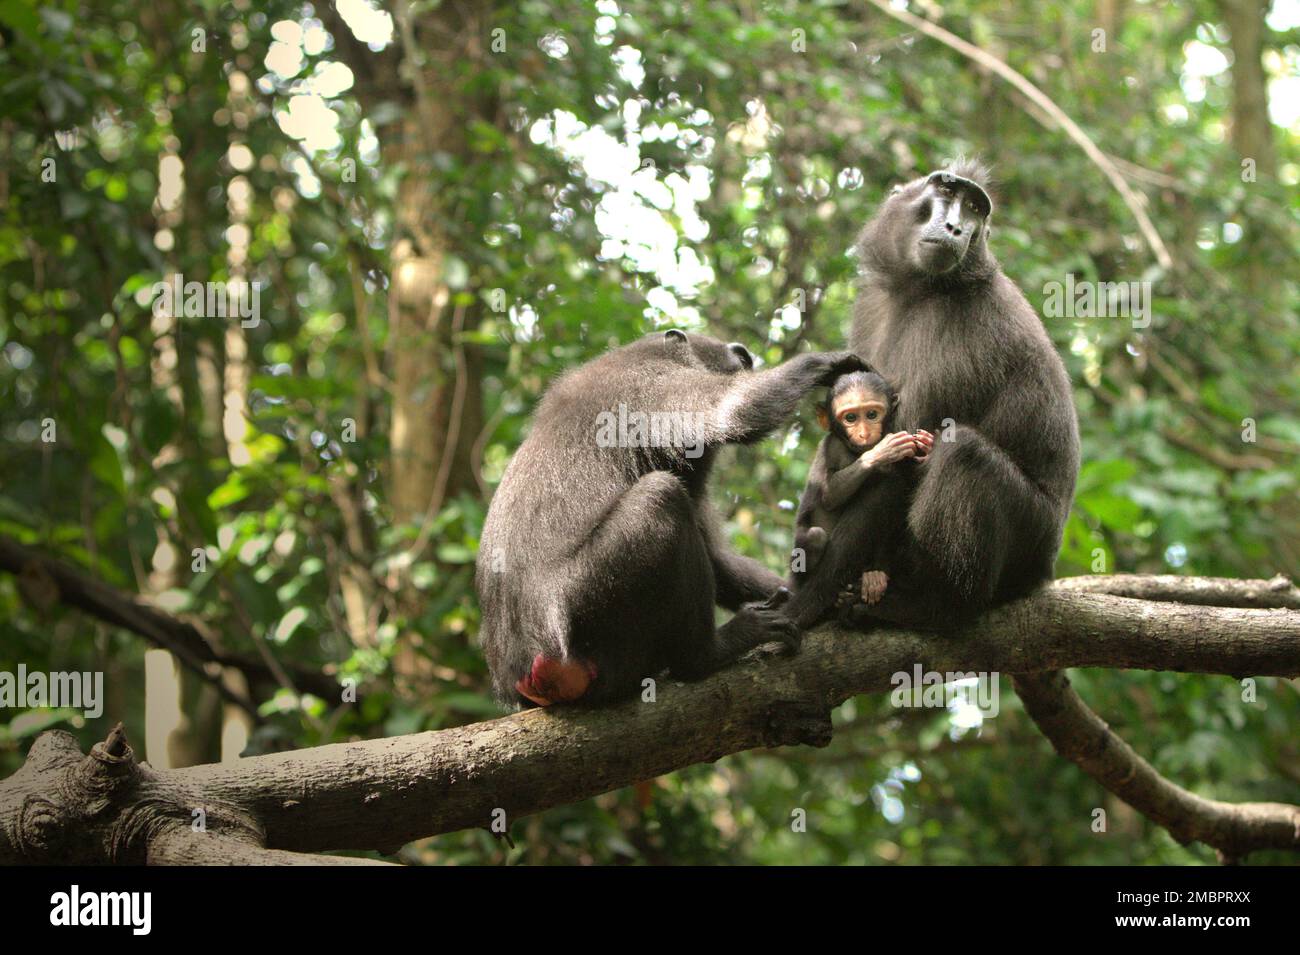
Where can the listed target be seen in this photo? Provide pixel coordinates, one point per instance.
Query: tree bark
(429, 441)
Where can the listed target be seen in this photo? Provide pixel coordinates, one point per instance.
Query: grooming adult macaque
(600, 562)
(859, 466)
(935, 312)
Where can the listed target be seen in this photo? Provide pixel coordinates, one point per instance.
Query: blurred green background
(447, 204)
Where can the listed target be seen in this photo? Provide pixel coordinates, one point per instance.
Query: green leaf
(231, 492)
(1113, 511)
(455, 554)
(106, 465)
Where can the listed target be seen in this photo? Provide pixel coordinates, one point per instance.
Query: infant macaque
(858, 448)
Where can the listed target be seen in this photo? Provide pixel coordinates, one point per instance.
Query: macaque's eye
(873, 415)
(851, 417)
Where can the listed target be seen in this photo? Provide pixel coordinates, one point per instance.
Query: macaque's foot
(847, 597)
(758, 623)
(874, 583)
(855, 616)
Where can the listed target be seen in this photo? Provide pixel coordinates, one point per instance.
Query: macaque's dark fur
(612, 554)
(876, 507)
(986, 519)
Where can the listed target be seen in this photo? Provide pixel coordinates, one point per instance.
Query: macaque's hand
(840, 363)
(891, 448)
(924, 445)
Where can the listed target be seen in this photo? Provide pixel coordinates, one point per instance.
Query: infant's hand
(892, 447)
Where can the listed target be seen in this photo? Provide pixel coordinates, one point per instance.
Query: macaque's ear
(823, 418)
(898, 396)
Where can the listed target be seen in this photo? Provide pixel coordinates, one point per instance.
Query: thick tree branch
(106, 807)
(385, 792)
(1082, 737)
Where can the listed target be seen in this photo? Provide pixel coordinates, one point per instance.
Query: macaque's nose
(952, 223)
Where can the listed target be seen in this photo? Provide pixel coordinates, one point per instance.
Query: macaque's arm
(844, 483)
(814, 487)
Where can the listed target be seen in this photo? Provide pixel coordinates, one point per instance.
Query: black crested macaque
(935, 312)
(600, 562)
(864, 465)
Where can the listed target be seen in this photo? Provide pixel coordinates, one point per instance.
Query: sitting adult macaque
(601, 563)
(935, 313)
(857, 463)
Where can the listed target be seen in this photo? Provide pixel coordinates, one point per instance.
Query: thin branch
(1207, 449)
(1152, 177)
(449, 445)
(1212, 453)
(181, 845)
(1277, 593)
(131, 612)
(1045, 103)
(476, 451)
(375, 377)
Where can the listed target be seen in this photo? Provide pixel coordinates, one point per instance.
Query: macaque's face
(857, 416)
(937, 220)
